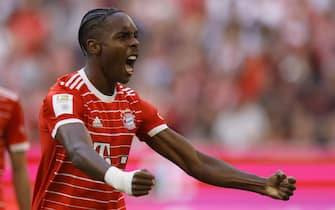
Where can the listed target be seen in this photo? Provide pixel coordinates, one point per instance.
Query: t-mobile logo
(103, 150)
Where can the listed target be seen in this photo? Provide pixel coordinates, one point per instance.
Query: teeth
(132, 57)
(129, 69)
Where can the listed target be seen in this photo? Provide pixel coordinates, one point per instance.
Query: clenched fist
(279, 186)
(142, 183)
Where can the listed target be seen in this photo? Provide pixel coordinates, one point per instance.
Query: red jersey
(12, 132)
(112, 122)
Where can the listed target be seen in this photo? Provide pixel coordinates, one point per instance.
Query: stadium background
(249, 81)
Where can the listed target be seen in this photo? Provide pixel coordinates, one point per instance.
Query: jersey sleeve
(15, 134)
(60, 108)
(152, 122)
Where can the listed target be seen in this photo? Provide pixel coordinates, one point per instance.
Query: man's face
(119, 48)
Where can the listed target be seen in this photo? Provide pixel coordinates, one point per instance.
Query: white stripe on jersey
(104, 127)
(8, 94)
(81, 198)
(47, 208)
(128, 94)
(79, 85)
(84, 188)
(60, 154)
(134, 102)
(110, 134)
(67, 84)
(115, 157)
(112, 111)
(78, 177)
(79, 207)
(93, 101)
(118, 101)
(106, 111)
(19, 147)
(75, 83)
(157, 129)
(119, 146)
(86, 93)
(125, 89)
(130, 91)
(67, 205)
(63, 122)
(90, 93)
(63, 161)
(111, 120)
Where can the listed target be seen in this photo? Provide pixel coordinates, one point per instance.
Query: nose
(134, 42)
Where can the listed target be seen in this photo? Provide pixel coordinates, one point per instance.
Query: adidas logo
(97, 123)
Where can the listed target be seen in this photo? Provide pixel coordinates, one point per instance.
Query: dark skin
(105, 67)
(21, 179)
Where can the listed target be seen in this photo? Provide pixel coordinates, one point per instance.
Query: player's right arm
(63, 111)
(77, 142)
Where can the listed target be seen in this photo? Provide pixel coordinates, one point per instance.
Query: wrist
(252, 183)
(119, 179)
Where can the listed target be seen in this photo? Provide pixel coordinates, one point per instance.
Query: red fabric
(12, 131)
(59, 185)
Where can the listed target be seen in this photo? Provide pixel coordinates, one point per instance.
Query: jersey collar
(94, 90)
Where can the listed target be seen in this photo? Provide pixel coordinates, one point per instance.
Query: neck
(98, 78)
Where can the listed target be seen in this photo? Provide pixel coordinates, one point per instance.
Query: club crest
(128, 119)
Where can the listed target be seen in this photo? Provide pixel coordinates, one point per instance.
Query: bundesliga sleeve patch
(62, 104)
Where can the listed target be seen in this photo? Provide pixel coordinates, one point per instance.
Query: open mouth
(130, 62)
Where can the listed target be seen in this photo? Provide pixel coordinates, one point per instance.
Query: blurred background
(248, 81)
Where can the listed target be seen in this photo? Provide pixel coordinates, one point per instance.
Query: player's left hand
(279, 186)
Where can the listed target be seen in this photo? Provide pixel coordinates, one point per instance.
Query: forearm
(212, 171)
(77, 142)
(91, 163)
(175, 147)
(219, 173)
(22, 188)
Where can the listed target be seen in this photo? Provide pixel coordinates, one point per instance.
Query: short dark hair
(90, 24)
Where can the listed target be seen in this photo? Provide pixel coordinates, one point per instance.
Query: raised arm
(207, 169)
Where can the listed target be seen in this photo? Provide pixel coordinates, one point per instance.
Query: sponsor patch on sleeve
(62, 104)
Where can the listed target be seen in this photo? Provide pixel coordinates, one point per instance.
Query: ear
(93, 47)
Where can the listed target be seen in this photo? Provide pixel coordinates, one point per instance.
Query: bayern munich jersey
(112, 122)
(12, 132)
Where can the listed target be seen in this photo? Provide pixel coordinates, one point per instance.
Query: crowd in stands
(237, 73)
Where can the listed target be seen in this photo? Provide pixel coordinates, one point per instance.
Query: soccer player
(13, 139)
(88, 121)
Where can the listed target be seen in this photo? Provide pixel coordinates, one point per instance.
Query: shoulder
(66, 89)
(9, 99)
(67, 84)
(127, 92)
(135, 100)
(8, 95)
